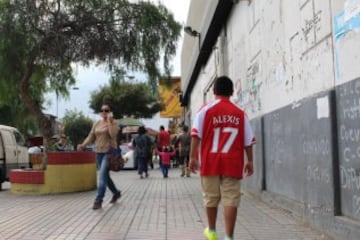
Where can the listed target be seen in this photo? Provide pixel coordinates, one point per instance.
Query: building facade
(294, 67)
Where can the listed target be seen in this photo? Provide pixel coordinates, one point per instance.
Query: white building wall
(281, 52)
(278, 52)
(202, 91)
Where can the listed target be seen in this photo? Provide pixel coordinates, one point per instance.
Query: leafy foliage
(17, 115)
(40, 39)
(126, 99)
(76, 126)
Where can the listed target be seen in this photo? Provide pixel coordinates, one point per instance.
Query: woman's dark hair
(223, 86)
(141, 130)
(106, 104)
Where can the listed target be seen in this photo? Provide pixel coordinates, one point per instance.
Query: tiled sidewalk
(153, 208)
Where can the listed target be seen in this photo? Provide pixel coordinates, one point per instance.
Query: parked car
(129, 128)
(13, 152)
(127, 152)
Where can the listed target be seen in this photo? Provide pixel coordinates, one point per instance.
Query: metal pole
(57, 105)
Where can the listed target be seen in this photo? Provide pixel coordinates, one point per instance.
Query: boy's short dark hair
(223, 86)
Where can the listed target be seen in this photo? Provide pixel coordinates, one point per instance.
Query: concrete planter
(66, 172)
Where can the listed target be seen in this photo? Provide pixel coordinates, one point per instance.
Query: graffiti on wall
(310, 26)
(345, 22)
(247, 92)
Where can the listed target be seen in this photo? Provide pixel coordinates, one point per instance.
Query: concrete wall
(284, 49)
(294, 65)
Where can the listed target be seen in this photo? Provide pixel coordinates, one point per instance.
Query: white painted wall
(285, 49)
(278, 52)
(202, 92)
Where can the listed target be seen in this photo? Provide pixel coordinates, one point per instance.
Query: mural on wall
(169, 97)
(345, 22)
(247, 95)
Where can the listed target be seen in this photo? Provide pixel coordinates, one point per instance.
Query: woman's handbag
(115, 159)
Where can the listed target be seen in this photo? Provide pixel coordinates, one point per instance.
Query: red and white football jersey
(224, 130)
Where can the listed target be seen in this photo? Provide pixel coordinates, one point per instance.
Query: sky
(91, 78)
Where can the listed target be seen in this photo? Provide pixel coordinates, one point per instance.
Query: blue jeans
(165, 169)
(104, 177)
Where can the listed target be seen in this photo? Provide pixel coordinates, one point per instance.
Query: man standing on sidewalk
(183, 141)
(163, 138)
(220, 134)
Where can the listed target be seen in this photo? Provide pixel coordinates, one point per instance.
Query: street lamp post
(193, 33)
(57, 101)
(57, 105)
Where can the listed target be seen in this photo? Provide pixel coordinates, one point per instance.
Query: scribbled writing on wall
(347, 90)
(248, 93)
(278, 149)
(350, 107)
(317, 174)
(356, 205)
(351, 151)
(349, 134)
(348, 113)
(316, 147)
(350, 178)
(311, 25)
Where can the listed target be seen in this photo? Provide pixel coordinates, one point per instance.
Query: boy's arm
(249, 167)
(194, 154)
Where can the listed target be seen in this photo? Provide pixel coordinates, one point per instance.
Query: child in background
(165, 155)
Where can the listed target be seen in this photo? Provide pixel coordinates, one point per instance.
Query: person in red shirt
(220, 135)
(165, 154)
(163, 138)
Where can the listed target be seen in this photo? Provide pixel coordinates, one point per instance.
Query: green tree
(17, 115)
(40, 40)
(127, 98)
(76, 126)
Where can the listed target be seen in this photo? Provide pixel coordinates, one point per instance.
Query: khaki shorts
(219, 188)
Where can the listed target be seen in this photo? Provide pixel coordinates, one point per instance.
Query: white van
(13, 152)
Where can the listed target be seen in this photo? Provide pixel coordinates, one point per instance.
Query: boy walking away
(220, 134)
(165, 156)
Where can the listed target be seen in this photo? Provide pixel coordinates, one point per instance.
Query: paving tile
(153, 208)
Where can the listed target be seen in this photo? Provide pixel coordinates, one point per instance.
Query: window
(19, 139)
